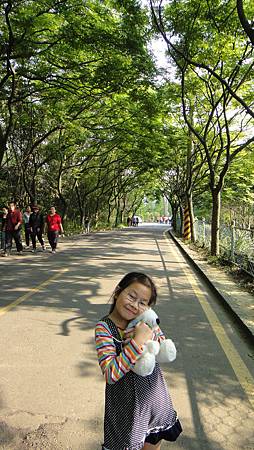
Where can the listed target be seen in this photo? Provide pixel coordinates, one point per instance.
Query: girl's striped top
(115, 367)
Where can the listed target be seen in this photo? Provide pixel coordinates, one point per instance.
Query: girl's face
(132, 301)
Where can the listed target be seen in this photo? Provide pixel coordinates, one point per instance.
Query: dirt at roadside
(241, 278)
(69, 435)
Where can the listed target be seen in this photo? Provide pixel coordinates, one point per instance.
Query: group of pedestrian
(133, 221)
(35, 224)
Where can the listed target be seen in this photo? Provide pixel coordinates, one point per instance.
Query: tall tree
(221, 96)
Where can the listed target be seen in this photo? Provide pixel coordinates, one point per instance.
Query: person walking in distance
(87, 225)
(36, 224)
(139, 412)
(13, 228)
(26, 217)
(54, 226)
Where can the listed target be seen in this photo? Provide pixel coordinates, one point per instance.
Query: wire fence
(236, 244)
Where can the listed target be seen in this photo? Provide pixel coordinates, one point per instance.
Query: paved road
(51, 389)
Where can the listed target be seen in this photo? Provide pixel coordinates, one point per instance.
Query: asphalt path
(51, 388)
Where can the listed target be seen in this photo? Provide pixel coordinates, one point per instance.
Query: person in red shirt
(54, 226)
(13, 228)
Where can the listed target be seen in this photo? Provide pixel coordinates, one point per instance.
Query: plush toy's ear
(148, 316)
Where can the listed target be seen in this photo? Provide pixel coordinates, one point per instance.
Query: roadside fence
(236, 244)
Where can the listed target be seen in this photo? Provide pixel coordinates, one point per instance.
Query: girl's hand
(128, 335)
(143, 333)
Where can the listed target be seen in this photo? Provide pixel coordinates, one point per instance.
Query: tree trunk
(82, 219)
(189, 169)
(64, 206)
(181, 210)
(174, 208)
(80, 206)
(249, 30)
(109, 213)
(3, 146)
(191, 212)
(62, 198)
(33, 193)
(215, 228)
(117, 213)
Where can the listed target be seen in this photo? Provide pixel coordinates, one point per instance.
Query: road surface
(51, 388)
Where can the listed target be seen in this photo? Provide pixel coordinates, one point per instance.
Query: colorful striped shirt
(114, 366)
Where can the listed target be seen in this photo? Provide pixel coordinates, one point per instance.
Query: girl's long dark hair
(130, 278)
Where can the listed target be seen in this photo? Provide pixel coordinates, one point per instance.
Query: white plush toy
(153, 350)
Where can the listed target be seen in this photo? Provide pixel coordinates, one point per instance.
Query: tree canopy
(88, 122)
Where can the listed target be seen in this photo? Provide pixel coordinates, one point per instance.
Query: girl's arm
(158, 335)
(114, 367)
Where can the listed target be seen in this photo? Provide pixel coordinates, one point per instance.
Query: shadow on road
(94, 260)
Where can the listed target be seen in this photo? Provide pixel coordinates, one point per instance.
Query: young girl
(138, 410)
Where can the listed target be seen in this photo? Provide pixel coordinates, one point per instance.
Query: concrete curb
(249, 332)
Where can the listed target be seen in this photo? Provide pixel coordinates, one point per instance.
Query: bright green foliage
(70, 73)
(214, 61)
(86, 123)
